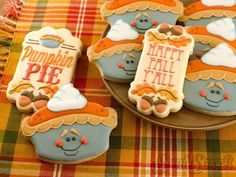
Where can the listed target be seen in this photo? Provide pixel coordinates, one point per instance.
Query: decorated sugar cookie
(208, 37)
(47, 62)
(142, 14)
(203, 12)
(158, 84)
(117, 55)
(210, 81)
(69, 129)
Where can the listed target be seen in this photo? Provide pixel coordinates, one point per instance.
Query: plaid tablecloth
(137, 148)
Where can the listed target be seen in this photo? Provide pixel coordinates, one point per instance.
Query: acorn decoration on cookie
(73, 129)
(117, 55)
(47, 62)
(142, 15)
(211, 75)
(158, 85)
(147, 102)
(203, 12)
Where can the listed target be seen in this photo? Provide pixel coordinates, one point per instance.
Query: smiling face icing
(141, 21)
(70, 130)
(72, 143)
(122, 66)
(210, 95)
(210, 80)
(117, 55)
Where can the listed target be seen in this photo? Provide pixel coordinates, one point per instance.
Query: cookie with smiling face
(210, 82)
(72, 129)
(117, 55)
(158, 85)
(203, 12)
(142, 14)
(210, 79)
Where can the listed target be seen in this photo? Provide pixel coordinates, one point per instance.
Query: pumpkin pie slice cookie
(203, 12)
(142, 15)
(210, 81)
(72, 129)
(117, 55)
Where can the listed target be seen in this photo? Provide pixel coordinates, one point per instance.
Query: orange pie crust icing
(121, 6)
(201, 34)
(52, 37)
(92, 113)
(198, 10)
(199, 70)
(106, 47)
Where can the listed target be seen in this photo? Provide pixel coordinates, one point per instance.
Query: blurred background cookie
(203, 12)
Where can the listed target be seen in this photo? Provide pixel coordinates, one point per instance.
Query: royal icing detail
(211, 78)
(71, 135)
(141, 15)
(47, 62)
(201, 13)
(227, 3)
(221, 55)
(158, 84)
(224, 28)
(67, 98)
(120, 7)
(117, 61)
(122, 31)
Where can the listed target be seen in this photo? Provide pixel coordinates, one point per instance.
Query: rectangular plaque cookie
(47, 62)
(158, 85)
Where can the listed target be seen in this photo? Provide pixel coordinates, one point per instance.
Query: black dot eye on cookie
(129, 61)
(68, 139)
(143, 20)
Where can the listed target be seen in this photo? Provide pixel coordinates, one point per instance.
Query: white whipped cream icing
(224, 28)
(226, 3)
(221, 55)
(67, 98)
(122, 31)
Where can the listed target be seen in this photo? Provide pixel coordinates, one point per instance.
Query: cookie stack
(131, 55)
(145, 46)
(211, 75)
(118, 53)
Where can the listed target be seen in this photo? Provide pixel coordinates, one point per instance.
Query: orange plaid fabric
(137, 148)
